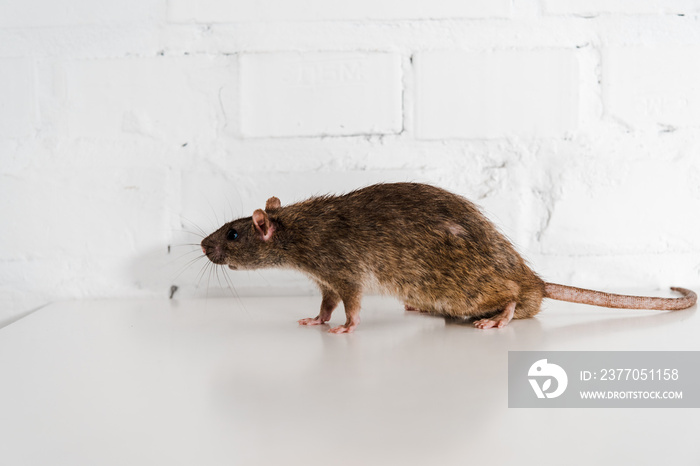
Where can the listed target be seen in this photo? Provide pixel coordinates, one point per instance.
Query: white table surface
(229, 382)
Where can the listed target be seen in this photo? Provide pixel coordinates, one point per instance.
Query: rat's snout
(213, 252)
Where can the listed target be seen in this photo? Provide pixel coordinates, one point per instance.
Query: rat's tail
(599, 298)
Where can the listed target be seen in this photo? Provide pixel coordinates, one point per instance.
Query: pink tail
(599, 298)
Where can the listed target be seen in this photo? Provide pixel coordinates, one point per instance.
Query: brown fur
(422, 244)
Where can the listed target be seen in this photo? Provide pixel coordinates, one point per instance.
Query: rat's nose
(213, 252)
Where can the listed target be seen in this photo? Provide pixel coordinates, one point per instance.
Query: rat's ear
(273, 203)
(262, 224)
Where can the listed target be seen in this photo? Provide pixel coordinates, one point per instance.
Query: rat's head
(246, 243)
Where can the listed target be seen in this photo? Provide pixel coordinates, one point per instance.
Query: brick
(644, 211)
(42, 13)
(652, 87)
(594, 7)
(495, 94)
(17, 98)
(223, 11)
(82, 215)
(320, 94)
(165, 98)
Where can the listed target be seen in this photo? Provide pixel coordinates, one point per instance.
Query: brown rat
(433, 249)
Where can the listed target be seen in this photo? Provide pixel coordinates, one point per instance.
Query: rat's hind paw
(490, 323)
(500, 320)
(343, 329)
(312, 321)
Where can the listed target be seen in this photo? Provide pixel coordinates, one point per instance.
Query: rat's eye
(231, 234)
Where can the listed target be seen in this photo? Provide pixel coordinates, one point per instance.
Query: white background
(574, 124)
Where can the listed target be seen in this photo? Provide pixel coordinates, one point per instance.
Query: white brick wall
(625, 7)
(159, 98)
(44, 13)
(574, 124)
(529, 93)
(653, 87)
(320, 94)
(17, 97)
(216, 11)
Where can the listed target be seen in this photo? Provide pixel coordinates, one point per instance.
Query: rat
(430, 248)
